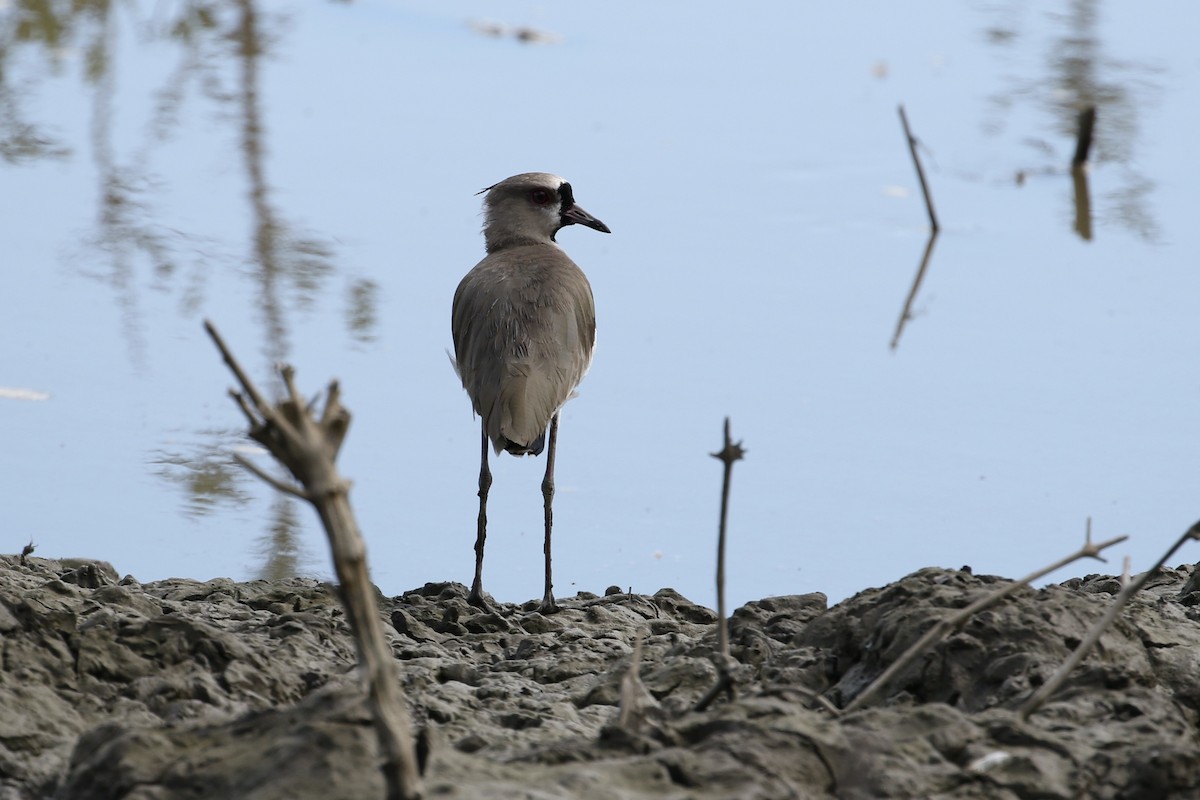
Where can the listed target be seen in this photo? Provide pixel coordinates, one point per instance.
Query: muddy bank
(110, 688)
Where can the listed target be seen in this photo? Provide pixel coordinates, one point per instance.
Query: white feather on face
(530, 209)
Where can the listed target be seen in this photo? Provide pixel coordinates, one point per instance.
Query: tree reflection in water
(220, 47)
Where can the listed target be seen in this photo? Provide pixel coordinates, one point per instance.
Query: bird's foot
(548, 606)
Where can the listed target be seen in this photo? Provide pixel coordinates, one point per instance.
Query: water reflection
(1079, 179)
(362, 317)
(280, 549)
(212, 482)
(280, 254)
(1083, 201)
(907, 312)
(209, 478)
(219, 47)
(1080, 76)
(22, 141)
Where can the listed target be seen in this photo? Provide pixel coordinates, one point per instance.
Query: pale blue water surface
(313, 195)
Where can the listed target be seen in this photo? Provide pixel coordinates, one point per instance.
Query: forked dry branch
(308, 446)
(955, 621)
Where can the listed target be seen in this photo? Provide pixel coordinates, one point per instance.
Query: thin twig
(288, 373)
(912, 147)
(810, 694)
(906, 313)
(822, 701)
(626, 717)
(730, 453)
(1097, 630)
(723, 685)
(286, 488)
(333, 399)
(944, 626)
(240, 399)
(236, 368)
(635, 699)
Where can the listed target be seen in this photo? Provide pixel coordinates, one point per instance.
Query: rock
(110, 689)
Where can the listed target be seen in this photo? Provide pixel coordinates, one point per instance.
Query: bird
(524, 327)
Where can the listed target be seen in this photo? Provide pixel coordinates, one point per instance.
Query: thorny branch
(1128, 590)
(730, 453)
(955, 621)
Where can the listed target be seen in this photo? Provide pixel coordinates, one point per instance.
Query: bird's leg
(548, 606)
(475, 598)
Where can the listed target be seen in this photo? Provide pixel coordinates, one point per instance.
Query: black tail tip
(534, 448)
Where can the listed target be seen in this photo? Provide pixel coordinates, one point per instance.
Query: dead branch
(731, 452)
(308, 447)
(1128, 590)
(724, 684)
(728, 454)
(627, 717)
(636, 702)
(266, 477)
(912, 147)
(955, 621)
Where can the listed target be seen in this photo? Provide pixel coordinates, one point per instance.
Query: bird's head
(530, 209)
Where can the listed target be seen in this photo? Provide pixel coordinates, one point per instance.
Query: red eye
(540, 197)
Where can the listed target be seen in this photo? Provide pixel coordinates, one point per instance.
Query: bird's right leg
(548, 605)
(475, 598)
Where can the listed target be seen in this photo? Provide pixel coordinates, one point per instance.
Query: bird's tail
(534, 448)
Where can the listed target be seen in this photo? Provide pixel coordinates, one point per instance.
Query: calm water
(304, 175)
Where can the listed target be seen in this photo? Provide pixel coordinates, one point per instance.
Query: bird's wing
(560, 352)
(524, 326)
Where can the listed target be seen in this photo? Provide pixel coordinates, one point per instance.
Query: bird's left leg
(475, 598)
(548, 606)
